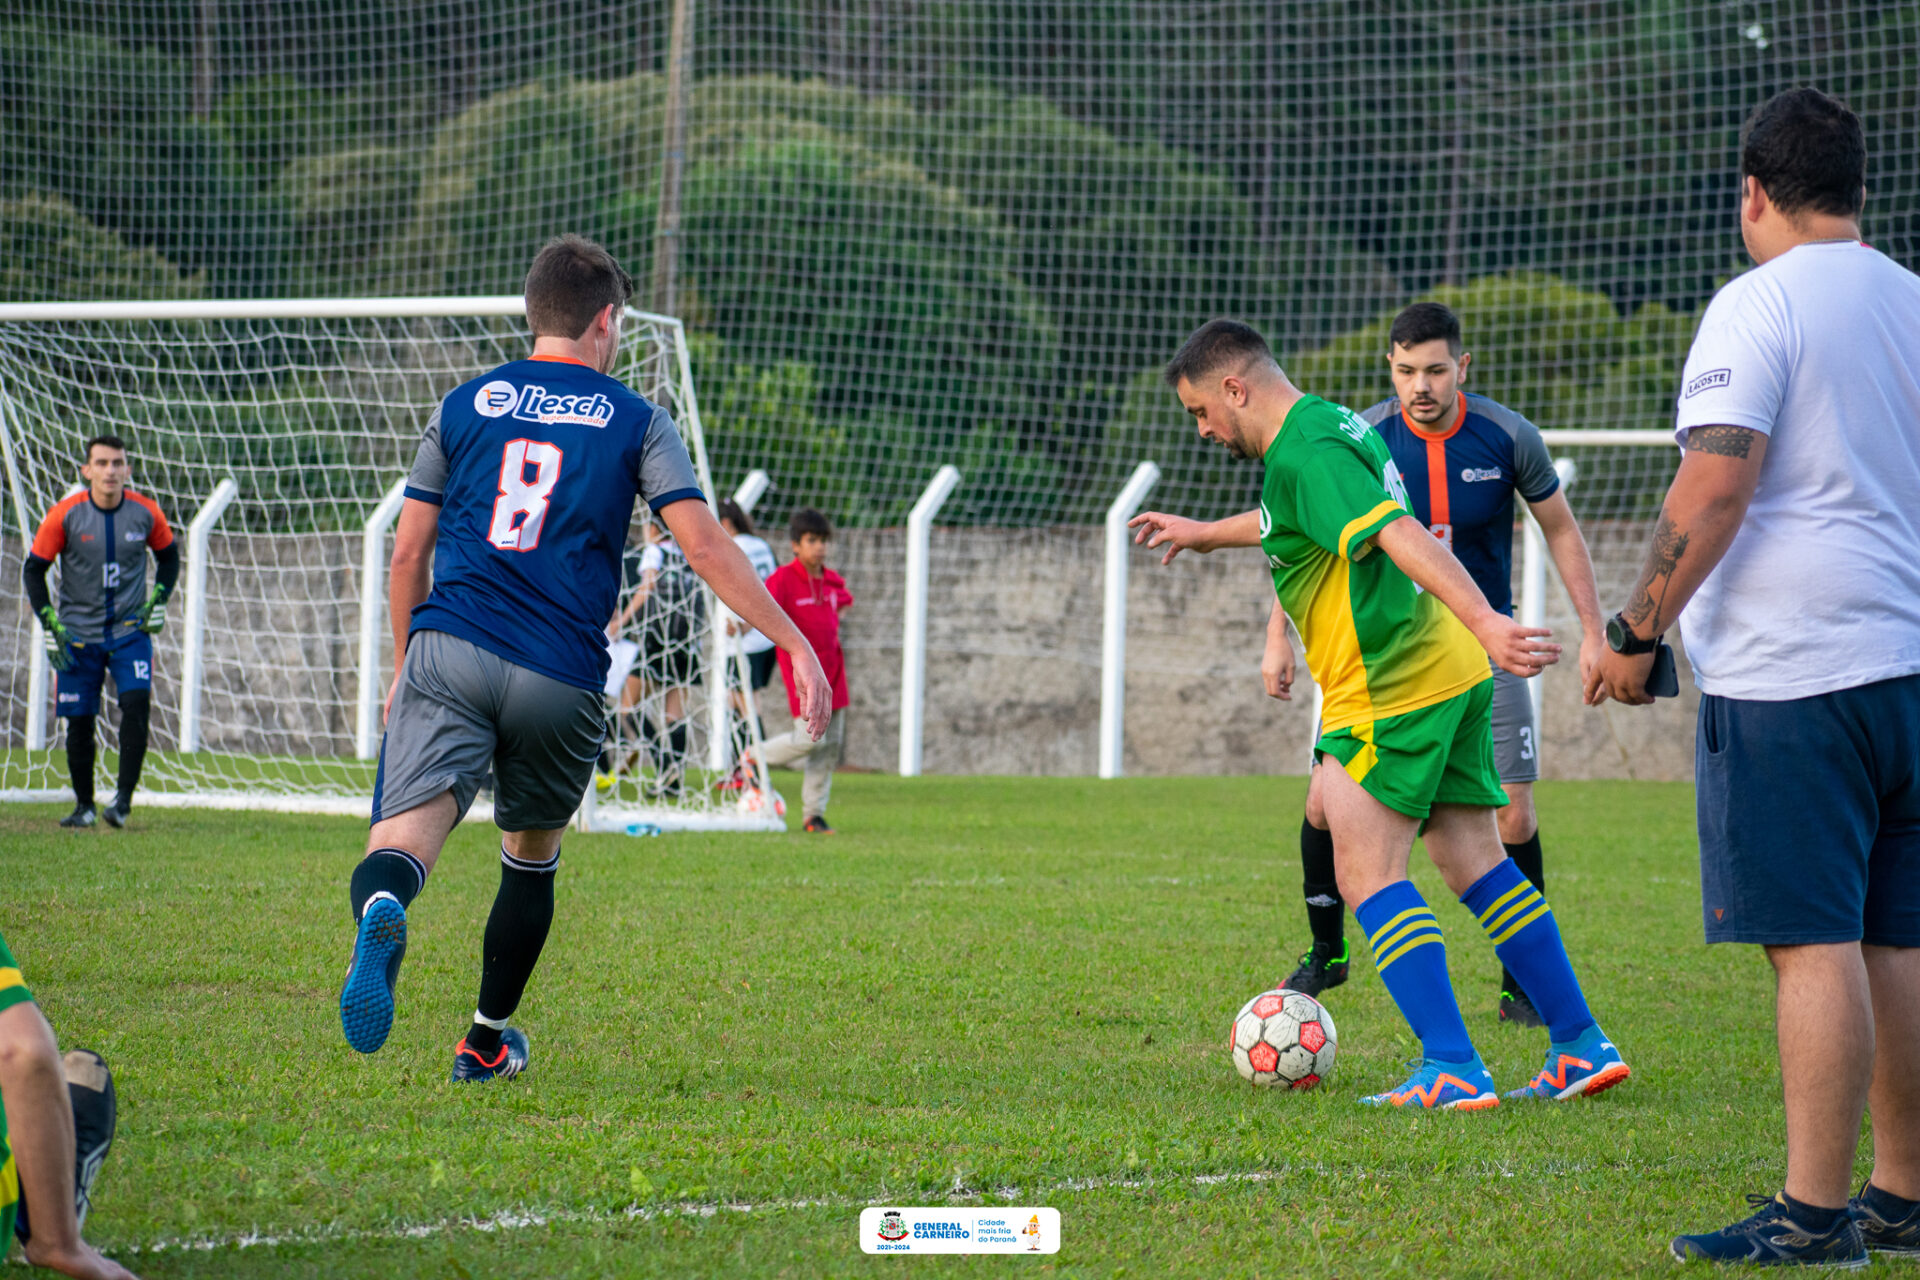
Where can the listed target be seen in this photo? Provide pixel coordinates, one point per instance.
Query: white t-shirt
(760, 556)
(1820, 350)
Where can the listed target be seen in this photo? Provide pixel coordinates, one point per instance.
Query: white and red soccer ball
(1282, 1037)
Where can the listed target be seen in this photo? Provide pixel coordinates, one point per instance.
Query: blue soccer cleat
(366, 998)
(1577, 1069)
(1442, 1086)
(1771, 1238)
(509, 1061)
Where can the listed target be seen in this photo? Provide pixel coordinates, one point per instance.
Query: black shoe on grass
(818, 826)
(83, 815)
(115, 814)
(1320, 969)
(1518, 1010)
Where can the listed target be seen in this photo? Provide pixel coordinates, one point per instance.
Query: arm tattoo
(1669, 545)
(1728, 442)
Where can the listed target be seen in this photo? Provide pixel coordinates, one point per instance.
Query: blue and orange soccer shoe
(1577, 1069)
(366, 998)
(1442, 1086)
(508, 1061)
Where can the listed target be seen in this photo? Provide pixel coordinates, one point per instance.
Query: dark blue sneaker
(1771, 1238)
(509, 1061)
(366, 999)
(1881, 1235)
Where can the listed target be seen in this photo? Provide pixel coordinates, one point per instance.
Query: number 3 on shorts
(521, 508)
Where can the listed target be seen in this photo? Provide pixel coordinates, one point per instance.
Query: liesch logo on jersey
(1471, 475)
(532, 403)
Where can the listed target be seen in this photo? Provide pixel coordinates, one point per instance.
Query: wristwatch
(1620, 637)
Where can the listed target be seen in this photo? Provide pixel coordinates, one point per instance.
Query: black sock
(677, 743)
(393, 871)
(1888, 1205)
(1326, 914)
(516, 931)
(80, 753)
(136, 709)
(1814, 1218)
(1526, 856)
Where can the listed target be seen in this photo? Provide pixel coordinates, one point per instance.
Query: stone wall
(1013, 683)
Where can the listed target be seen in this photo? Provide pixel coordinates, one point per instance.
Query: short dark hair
(110, 441)
(807, 520)
(731, 510)
(1808, 151)
(1215, 345)
(1423, 322)
(571, 281)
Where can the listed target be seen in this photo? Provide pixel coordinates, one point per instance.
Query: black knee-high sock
(136, 710)
(80, 753)
(393, 871)
(1325, 912)
(1526, 856)
(677, 743)
(516, 931)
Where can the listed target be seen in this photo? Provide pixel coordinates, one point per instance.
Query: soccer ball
(753, 800)
(1282, 1037)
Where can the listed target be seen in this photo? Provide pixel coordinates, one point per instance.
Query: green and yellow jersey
(1377, 645)
(13, 990)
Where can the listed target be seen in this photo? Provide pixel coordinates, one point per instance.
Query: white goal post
(275, 435)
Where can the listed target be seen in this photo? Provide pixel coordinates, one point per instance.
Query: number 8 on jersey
(521, 508)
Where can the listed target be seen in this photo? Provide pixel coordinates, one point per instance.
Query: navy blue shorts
(77, 690)
(1810, 817)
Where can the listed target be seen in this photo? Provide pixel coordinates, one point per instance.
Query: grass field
(1009, 989)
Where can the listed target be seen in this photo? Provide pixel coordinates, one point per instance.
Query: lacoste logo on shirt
(1708, 381)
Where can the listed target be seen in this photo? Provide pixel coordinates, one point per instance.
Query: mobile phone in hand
(1664, 680)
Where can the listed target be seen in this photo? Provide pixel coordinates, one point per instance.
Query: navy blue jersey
(1462, 483)
(535, 468)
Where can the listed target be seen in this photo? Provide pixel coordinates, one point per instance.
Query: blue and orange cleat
(509, 1061)
(1442, 1086)
(1577, 1069)
(366, 998)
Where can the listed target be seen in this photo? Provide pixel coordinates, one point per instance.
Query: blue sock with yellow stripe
(1411, 958)
(1525, 937)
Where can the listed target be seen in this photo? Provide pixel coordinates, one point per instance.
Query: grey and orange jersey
(103, 560)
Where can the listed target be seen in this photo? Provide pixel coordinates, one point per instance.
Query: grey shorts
(1516, 743)
(461, 713)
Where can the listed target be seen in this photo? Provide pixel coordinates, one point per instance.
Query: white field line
(523, 1219)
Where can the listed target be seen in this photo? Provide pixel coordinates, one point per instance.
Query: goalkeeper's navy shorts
(1810, 817)
(130, 660)
(460, 713)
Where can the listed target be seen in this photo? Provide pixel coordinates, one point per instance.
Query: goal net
(276, 436)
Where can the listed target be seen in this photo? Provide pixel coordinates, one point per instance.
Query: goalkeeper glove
(59, 640)
(151, 617)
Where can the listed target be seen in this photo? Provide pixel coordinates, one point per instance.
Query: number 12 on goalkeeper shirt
(521, 508)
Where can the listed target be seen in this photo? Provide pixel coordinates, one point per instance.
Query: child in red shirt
(813, 596)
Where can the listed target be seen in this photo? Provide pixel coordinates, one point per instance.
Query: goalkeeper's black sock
(1526, 856)
(80, 753)
(677, 743)
(1325, 912)
(516, 931)
(393, 871)
(136, 709)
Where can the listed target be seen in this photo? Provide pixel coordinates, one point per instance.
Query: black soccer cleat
(1880, 1235)
(95, 1110)
(83, 815)
(115, 814)
(508, 1061)
(1320, 969)
(818, 826)
(1771, 1238)
(1516, 1008)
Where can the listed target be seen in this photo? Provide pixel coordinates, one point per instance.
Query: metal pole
(665, 288)
(913, 639)
(752, 489)
(373, 581)
(1113, 634)
(1533, 585)
(193, 658)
